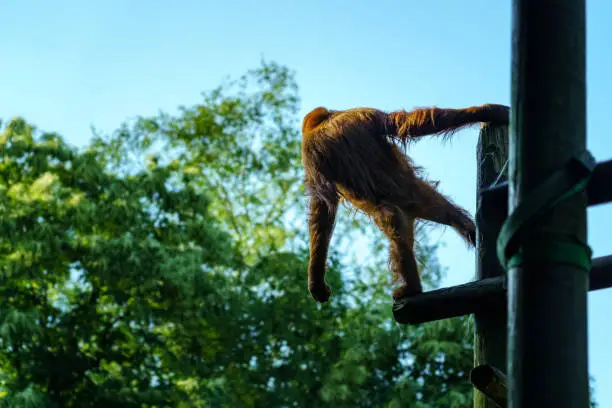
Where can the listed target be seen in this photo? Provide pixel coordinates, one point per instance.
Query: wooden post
(490, 321)
(547, 301)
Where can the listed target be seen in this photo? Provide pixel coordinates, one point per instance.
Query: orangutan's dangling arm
(321, 224)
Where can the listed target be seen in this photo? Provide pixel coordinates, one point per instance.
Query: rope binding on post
(514, 246)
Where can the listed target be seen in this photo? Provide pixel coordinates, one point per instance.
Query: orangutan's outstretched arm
(428, 121)
(321, 225)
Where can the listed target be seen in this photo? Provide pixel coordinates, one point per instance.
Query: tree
(106, 278)
(165, 265)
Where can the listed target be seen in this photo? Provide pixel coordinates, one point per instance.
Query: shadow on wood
(492, 383)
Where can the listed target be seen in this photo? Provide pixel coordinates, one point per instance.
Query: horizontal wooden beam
(601, 273)
(598, 189)
(449, 302)
(475, 296)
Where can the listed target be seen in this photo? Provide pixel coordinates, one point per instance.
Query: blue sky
(67, 65)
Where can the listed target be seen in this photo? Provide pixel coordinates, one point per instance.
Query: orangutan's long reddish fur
(354, 155)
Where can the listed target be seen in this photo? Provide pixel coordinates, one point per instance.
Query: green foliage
(165, 266)
(103, 276)
(243, 146)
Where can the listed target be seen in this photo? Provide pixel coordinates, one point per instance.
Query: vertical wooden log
(490, 322)
(547, 302)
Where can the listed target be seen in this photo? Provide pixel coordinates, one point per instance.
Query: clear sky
(67, 65)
